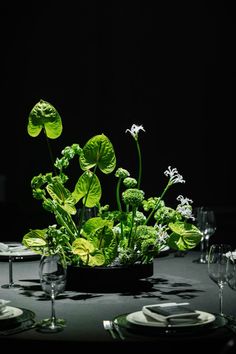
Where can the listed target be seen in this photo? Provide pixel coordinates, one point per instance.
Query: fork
(117, 328)
(108, 326)
(114, 329)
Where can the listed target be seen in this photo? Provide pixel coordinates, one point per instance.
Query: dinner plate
(10, 313)
(18, 251)
(19, 320)
(134, 328)
(139, 318)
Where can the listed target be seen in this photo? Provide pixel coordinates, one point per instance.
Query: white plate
(138, 318)
(16, 250)
(10, 312)
(19, 253)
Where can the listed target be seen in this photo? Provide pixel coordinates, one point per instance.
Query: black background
(107, 65)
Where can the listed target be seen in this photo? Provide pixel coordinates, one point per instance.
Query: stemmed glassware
(206, 222)
(52, 272)
(219, 269)
(232, 279)
(11, 250)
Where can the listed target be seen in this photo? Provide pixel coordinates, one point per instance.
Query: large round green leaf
(184, 236)
(98, 151)
(95, 223)
(87, 252)
(35, 240)
(44, 115)
(88, 185)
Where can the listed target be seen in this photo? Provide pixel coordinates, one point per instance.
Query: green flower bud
(133, 197)
(166, 215)
(122, 173)
(130, 182)
(151, 203)
(38, 193)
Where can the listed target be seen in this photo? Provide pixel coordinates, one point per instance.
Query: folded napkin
(171, 313)
(17, 248)
(3, 305)
(3, 247)
(11, 247)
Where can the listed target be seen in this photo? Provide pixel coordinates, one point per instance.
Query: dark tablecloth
(175, 279)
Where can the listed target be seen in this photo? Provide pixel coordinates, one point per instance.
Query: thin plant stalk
(50, 152)
(139, 163)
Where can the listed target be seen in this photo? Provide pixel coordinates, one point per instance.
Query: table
(175, 279)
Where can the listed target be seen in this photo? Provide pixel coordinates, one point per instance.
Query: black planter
(117, 278)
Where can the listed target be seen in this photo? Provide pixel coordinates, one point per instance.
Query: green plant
(135, 232)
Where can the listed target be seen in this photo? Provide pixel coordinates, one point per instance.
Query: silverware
(114, 329)
(116, 326)
(108, 326)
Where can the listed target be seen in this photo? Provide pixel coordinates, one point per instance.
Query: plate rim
(23, 254)
(173, 326)
(13, 308)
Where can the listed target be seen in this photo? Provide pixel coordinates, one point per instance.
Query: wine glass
(206, 222)
(209, 222)
(218, 268)
(52, 272)
(11, 250)
(231, 280)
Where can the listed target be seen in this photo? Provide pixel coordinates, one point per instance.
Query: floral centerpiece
(135, 232)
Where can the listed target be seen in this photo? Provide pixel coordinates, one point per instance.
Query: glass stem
(206, 247)
(11, 282)
(53, 312)
(203, 251)
(221, 299)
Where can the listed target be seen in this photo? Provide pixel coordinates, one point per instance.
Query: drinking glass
(219, 269)
(232, 278)
(10, 250)
(52, 274)
(206, 222)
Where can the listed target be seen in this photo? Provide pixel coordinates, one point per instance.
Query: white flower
(161, 233)
(183, 200)
(135, 130)
(174, 176)
(184, 208)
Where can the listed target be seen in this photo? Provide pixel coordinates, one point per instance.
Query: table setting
(14, 320)
(140, 326)
(120, 317)
(11, 252)
(16, 250)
